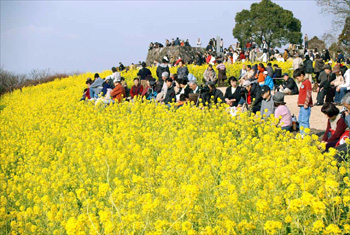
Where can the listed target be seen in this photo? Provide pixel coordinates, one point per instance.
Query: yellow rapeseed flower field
(70, 167)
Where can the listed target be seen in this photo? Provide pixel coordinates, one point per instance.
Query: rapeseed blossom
(71, 167)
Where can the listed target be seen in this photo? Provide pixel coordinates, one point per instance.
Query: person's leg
(320, 97)
(304, 117)
(342, 92)
(331, 144)
(330, 95)
(287, 128)
(337, 97)
(92, 92)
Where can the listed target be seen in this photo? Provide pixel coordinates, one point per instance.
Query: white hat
(246, 83)
(265, 72)
(117, 79)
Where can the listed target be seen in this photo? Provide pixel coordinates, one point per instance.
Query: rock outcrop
(173, 53)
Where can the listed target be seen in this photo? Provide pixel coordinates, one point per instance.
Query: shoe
(318, 104)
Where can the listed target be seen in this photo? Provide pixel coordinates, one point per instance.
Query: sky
(93, 36)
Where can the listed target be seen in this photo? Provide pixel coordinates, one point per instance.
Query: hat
(265, 88)
(165, 74)
(117, 79)
(278, 98)
(336, 69)
(285, 74)
(246, 83)
(327, 66)
(265, 72)
(330, 62)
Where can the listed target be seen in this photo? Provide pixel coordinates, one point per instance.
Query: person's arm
(187, 71)
(346, 79)
(141, 90)
(308, 97)
(339, 130)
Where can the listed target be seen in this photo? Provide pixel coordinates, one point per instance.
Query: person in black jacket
(325, 84)
(162, 68)
(212, 95)
(308, 68)
(170, 94)
(233, 93)
(251, 96)
(289, 86)
(199, 59)
(143, 73)
(184, 86)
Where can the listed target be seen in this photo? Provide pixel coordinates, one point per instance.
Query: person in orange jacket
(260, 75)
(118, 93)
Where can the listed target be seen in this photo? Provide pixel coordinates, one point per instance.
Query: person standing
(308, 67)
(199, 43)
(143, 73)
(304, 99)
(324, 84)
(306, 40)
(222, 45)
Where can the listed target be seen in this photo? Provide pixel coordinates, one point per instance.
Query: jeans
(304, 117)
(93, 93)
(339, 95)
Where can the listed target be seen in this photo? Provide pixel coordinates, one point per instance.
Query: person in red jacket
(336, 126)
(136, 89)
(118, 93)
(304, 99)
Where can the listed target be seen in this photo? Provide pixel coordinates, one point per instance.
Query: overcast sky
(68, 36)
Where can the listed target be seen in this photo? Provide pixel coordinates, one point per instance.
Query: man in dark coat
(289, 86)
(163, 67)
(252, 96)
(143, 73)
(325, 79)
(212, 95)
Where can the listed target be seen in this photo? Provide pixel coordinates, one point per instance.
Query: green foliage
(267, 21)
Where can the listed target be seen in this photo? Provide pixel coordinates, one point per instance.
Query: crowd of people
(255, 89)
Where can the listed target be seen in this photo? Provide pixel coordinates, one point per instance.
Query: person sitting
(96, 86)
(269, 70)
(86, 94)
(324, 85)
(162, 88)
(110, 78)
(194, 87)
(184, 87)
(277, 71)
(267, 104)
(170, 94)
(209, 75)
(336, 126)
(251, 96)
(143, 73)
(149, 90)
(136, 89)
(260, 75)
(248, 75)
(184, 98)
(268, 81)
(233, 93)
(182, 71)
(289, 86)
(213, 94)
(118, 93)
(243, 70)
(344, 88)
(282, 112)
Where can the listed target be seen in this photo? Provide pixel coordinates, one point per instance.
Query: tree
(339, 8)
(267, 21)
(329, 39)
(344, 37)
(315, 42)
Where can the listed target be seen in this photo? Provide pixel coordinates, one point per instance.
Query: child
(304, 99)
(86, 94)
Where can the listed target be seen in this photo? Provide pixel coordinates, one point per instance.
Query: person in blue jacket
(268, 80)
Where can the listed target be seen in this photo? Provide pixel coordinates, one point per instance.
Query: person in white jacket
(343, 89)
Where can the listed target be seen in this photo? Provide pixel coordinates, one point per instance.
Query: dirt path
(318, 121)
